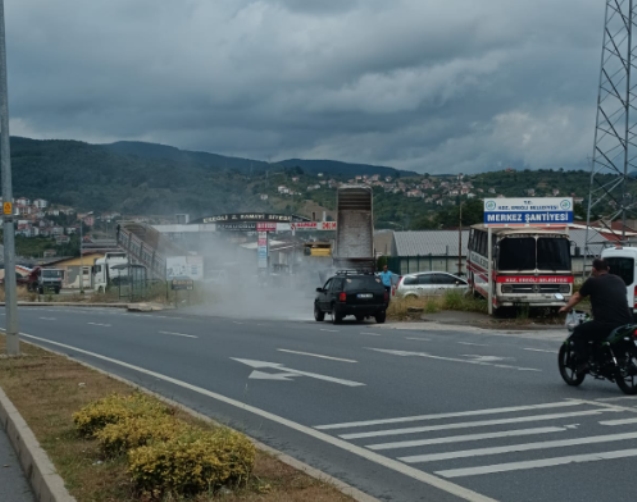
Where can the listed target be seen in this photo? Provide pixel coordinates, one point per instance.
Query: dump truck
(354, 247)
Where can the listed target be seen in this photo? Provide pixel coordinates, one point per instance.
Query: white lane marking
(404, 353)
(437, 416)
(465, 437)
(541, 350)
(330, 330)
(369, 334)
(535, 464)
(419, 339)
(48, 318)
(423, 477)
(463, 425)
(99, 324)
(625, 421)
(288, 371)
(318, 355)
(473, 344)
(514, 448)
(177, 334)
(236, 322)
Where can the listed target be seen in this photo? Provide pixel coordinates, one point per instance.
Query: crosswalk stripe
(563, 443)
(534, 464)
(489, 411)
(465, 437)
(479, 423)
(624, 421)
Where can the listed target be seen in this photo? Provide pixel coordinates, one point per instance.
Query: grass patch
(47, 389)
(412, 307)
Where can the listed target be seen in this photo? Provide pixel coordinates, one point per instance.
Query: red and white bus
(529, 266)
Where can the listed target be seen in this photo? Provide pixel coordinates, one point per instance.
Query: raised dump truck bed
(355, 228)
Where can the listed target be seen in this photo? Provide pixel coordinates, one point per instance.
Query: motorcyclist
(609, 304)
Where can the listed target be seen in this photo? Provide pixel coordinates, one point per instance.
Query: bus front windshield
(529, 253)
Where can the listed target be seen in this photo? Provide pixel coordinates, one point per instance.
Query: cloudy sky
(430, 85)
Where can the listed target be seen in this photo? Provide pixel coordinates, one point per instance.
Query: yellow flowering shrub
(195, 461)
(132, 432)
(114, 408)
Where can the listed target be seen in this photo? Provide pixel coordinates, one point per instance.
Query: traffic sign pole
(10, 289)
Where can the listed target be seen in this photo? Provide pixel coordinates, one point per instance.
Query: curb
(47, 485)
(344, 488)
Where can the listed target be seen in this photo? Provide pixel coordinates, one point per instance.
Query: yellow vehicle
(323, 249)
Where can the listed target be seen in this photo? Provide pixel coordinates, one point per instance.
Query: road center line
(419, 339)
(423, 477)
(48, 318)
(541, 350)
(318, 355)
(177, 334)
(330, 330)
(369, 334)
(99, 324)
(473, 344)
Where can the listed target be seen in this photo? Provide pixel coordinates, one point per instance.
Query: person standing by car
(387, 277)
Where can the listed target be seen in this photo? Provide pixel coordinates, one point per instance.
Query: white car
(429, 283)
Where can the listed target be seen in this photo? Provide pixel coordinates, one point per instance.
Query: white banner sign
(185, 266)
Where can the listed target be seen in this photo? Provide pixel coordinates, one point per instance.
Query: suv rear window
(623, 267)
(362, 282)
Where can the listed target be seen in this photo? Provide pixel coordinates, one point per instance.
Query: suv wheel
(380, 317)
(336, 318)
(319, 315)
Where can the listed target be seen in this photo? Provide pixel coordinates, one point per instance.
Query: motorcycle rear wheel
(626, 376)
(565, 363)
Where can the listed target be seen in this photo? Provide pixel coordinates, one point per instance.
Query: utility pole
(81, 256)
(460, 240)
(10, 289)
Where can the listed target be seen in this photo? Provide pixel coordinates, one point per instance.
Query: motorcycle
(614, 359)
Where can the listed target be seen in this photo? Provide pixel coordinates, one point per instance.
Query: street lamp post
(10, 289)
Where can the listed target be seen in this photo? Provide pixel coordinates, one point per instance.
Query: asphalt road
(404, 415)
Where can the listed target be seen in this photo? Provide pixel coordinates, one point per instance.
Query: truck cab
(622, 261)
(43, 280)
(109, 270)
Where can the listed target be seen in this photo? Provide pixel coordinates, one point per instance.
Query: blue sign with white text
(531, 211)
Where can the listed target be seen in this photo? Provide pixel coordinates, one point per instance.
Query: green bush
(197, 460)
(114, 408)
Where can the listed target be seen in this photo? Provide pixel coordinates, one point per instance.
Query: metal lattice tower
(612, 195)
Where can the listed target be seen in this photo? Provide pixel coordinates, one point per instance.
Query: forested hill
(144, 178)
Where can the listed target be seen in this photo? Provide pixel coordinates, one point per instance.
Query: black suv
(352, 293)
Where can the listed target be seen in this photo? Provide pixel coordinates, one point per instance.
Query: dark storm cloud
(420, 84)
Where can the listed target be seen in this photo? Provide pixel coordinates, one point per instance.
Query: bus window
(623, 267)
(553, 254)
(517, 254)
